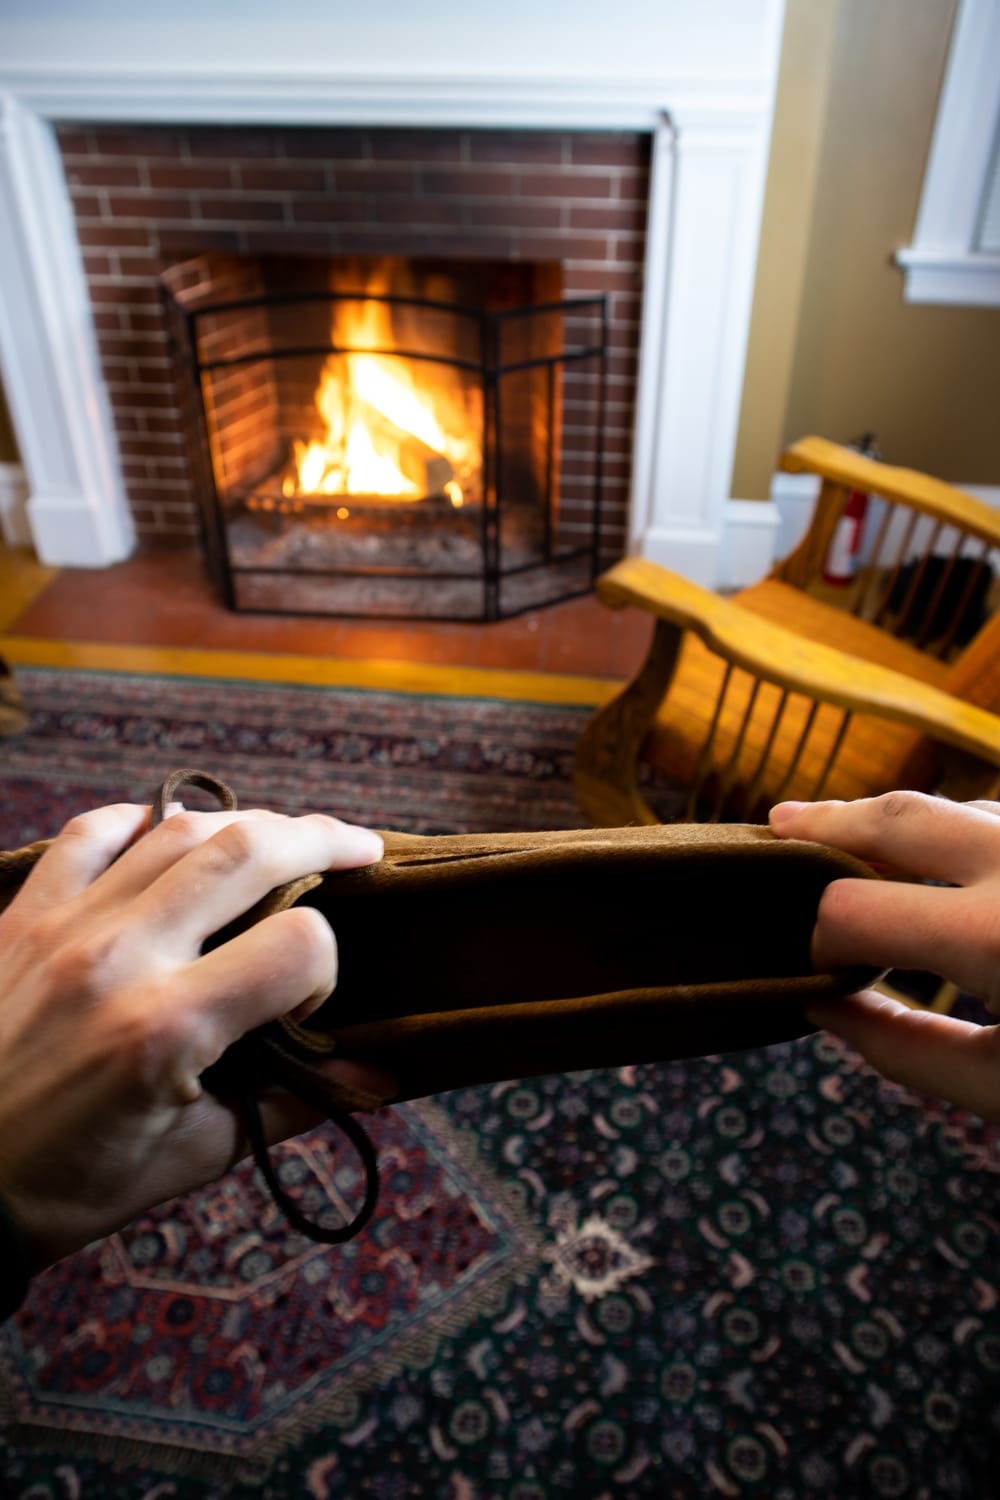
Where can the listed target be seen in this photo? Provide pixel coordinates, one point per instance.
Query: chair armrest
(931, 497)
(780, 656)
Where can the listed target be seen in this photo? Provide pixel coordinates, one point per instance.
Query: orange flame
(385, 435)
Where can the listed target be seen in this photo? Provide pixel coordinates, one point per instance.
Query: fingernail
(173, 807)
(365, 845)
(783, 812)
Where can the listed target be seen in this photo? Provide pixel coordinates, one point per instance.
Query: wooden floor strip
(385, 676)
(22, 578)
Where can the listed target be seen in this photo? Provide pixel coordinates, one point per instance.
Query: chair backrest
(927, 558)
(975, 674)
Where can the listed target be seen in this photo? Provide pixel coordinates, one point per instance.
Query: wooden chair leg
(607, 752)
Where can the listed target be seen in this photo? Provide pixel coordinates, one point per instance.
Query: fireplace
(496, 223)
(392, 436)
(117, 160)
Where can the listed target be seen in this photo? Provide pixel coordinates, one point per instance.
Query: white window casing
(955, 254)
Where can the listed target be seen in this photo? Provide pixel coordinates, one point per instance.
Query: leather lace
(255, 1061)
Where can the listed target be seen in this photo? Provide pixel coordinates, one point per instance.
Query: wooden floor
(157, 612)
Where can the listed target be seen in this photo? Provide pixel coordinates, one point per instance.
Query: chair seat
(876, 754)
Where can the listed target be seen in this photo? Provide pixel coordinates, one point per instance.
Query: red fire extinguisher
(845, 546)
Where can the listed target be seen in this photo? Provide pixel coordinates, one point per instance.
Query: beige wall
(8, 448)
(833, 348)
(796, 141)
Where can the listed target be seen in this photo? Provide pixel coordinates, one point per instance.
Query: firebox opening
(388, 437)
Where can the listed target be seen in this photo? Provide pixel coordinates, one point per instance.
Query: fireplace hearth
(389, 437)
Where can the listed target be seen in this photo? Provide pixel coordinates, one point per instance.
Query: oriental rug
(767, 1274)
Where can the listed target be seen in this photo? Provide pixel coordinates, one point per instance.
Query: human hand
(952, 930)
(109, 1011)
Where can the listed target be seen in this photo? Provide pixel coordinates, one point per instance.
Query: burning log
(426, 469)
(379, 460)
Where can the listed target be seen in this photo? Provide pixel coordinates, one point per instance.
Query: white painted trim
(794, 497)
(748, 542)
(51, 370)
(943, 264)
(971, 280)
(14, 527)
(242, 48)
(224, 96)
(686, 550)
(650, 374)
(706, 200)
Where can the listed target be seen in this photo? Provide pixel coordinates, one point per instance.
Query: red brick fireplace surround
(145, 197)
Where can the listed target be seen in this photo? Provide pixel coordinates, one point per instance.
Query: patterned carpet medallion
(769, 1274)
(284, 1331)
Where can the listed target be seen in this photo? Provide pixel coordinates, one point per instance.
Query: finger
(286, 962)
(955, 1060)
(83, 850)
(174, 838)
(921, 835)
(894, 925)
(993, 808)
(248, 857)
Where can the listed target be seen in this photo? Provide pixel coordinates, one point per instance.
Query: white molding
(652, 348)
(749, 542)
(705, 206)
(710, 114)
(794, 496)
(232, 44)
(944, 264)
(222, 96)
(971, 280)
(51, 370)
(687, 550)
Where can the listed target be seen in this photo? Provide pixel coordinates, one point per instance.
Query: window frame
(944, 263)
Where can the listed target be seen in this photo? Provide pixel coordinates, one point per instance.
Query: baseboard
(749, 540)
(794, 495)
(691, 551)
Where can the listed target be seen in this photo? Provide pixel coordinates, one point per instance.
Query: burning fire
(385, 435)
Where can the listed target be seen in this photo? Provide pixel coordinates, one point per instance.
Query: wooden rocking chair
(799, 688)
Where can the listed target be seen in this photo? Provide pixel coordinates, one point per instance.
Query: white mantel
(699, 74)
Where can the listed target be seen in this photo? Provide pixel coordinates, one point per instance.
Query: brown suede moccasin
(470, 959)
(475, 958)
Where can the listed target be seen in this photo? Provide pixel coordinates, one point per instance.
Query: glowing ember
(385, 435)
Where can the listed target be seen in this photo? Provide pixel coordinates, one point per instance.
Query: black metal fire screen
(366, 453)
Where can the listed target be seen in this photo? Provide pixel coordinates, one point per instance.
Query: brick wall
(240, 404)
(147, 197)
